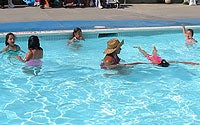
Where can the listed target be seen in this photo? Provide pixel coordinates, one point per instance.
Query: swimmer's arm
(128, 64)
(29, 55)
(184, 30)
(136, 63)
(190, 63)
(71, 41)
(20, 58)
(195, 41)
(27, 58)
(4, 49)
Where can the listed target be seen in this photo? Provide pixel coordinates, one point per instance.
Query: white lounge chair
(111, 3)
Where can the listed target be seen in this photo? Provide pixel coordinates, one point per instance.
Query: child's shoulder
(17, 47)
(6, 48)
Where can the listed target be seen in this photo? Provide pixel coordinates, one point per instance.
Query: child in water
(77, 35)
(34, 54)
(189, 40)
(11, 48)
(155, 59)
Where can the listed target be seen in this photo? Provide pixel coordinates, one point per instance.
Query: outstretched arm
(184, 30)
(135, 63)
(71, 41)
(190, 63)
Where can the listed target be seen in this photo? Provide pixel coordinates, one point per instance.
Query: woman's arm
(190, 63)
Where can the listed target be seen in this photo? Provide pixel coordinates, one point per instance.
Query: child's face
(78, 35)
(189, 34)
(11, 40)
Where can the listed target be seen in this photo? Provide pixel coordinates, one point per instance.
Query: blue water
(70, 87)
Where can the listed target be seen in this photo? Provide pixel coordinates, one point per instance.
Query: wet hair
(164, 63)
(34, 43)
(191, 31)
(77, 29)
(7, 36)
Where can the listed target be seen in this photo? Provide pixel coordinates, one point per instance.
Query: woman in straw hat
(111, 60)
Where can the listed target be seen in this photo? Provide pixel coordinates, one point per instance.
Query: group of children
(111, 60)
(33, 56)
(35, 52)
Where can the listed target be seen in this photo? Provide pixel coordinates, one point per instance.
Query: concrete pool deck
(131, 15)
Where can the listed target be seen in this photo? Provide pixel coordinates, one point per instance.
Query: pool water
(70, 87)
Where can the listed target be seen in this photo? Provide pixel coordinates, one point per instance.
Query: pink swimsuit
(189, 42)
(34, 62)
(154, 58)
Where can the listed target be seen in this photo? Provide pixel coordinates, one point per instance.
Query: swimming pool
(70, 87)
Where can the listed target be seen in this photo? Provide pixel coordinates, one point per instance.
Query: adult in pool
(111, 60)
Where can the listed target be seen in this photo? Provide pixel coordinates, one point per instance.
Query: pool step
(107, 35)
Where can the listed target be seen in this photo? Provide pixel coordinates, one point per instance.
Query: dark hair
(7, 36)
(164, 63)
(191, 31)
(77, 29)
(33, 42)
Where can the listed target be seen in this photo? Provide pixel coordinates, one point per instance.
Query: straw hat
(112, 45)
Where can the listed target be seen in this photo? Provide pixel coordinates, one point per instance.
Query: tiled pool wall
(91, 24)
(99, 33)
(57, 30)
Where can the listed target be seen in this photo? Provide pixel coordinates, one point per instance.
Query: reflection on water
(118, 71)
(33, 70)
(8, 59)
(76, 46)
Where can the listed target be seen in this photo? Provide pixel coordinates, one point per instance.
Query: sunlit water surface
(70, 87)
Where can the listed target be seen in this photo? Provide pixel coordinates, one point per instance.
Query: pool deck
(24, 18)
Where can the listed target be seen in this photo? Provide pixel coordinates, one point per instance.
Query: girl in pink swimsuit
(154, 58)
(34, 54)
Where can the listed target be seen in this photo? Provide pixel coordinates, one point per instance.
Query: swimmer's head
(190, 33)
(164, 63)
(33, 42)
(10, 39)
(77, 33)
